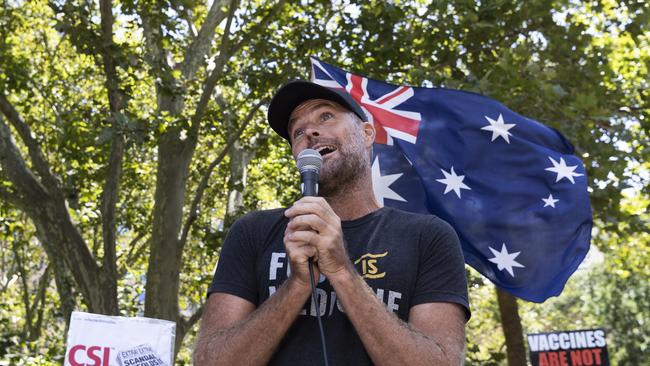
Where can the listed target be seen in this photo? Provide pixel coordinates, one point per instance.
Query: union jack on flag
(510, 186)
(381, 110)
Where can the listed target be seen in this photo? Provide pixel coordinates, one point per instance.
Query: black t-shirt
(407, 259)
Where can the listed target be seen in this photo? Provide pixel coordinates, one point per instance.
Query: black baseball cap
(295, 93)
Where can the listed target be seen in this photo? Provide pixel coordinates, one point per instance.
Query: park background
(133, 133)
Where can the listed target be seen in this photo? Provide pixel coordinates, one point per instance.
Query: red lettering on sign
(543, 360)
(587, 359)
(576, 358)
(100, 356)
(107, 356)
(93, 356)
(552, 359)
(73, 352)
(596, 352)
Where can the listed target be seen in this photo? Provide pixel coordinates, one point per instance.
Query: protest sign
(569, 348)
(101, 340)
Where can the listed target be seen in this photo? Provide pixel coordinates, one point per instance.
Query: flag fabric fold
(511, 187)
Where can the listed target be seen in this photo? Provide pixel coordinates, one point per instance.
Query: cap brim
(295, 93)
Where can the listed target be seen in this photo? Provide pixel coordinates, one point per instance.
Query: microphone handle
(309, 180)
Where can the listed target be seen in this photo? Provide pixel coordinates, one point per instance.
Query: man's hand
(314, 230)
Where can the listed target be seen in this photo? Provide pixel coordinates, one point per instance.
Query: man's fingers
(311, 252)
(309, 205)
(300, 237)
(302, 253)
(306, 222)
(298, 248)
(313, 199)
(294, 240)
(302, 208)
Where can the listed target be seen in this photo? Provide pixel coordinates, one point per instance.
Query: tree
(102, 101)
(86, 35)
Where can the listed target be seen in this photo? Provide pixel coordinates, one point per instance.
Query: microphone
(309, 162)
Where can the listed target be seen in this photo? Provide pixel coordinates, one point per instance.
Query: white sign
(101, 340)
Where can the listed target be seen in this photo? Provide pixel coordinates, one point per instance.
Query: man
(392, 287)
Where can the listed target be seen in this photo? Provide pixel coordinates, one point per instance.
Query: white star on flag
(453, 182)
(550, 201)
(563, 171)
(381, 184)
(499, 128)
(505, 260)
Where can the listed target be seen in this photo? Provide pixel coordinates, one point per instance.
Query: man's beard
(344, 171)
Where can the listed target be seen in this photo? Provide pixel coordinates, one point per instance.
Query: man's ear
(369, 133)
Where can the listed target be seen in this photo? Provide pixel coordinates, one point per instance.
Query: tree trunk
(110, 193)
(239, 158)
(174, 157)
(166, 249)
(511, 324)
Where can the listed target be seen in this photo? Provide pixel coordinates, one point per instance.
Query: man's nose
(312, 132)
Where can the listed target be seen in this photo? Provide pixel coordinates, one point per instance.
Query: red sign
(569, 348)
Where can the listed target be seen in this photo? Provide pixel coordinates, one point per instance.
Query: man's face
(341, 138)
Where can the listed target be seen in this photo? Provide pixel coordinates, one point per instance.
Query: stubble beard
(345, 171)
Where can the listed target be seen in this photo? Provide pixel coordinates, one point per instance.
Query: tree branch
(43, 281)
(188, 20)
(62, 241)
(38, 306)
(186, 324)
(152, 37)
(200, 47)
(154, 50)
(17, 171)
(115, 97)
(132, 245)
(193, 213)
(133, 253)
(224, 55)
(25, 295)
(35, 153)
(114, 170)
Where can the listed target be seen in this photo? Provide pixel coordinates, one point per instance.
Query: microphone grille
(309, 159)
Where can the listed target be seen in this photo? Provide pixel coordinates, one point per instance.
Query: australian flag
(510, 186)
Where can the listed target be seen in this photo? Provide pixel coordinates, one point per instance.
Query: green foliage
(485, 342)
(581, 67)
(23, 338)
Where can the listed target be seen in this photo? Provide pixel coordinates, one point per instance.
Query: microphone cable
(317, 308)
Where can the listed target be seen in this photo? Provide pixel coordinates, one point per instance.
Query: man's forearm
(387, 339)
(253, 340)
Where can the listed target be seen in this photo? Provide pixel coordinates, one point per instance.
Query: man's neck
(354, 201)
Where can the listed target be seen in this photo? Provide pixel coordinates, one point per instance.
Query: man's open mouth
(326, 149)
